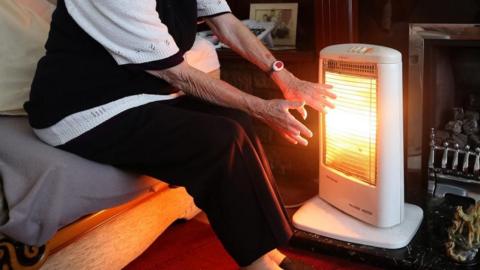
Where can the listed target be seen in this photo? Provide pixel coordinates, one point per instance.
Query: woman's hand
(313, 94)
(276, 114)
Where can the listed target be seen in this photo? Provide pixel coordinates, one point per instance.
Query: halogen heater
(361, 197)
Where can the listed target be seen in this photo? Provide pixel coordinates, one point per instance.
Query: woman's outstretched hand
(314, 95)
(276, 113)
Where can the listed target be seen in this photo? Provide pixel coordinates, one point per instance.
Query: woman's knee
(243, 119)
(230, 131)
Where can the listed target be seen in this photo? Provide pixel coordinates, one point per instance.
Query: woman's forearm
(239, 38)
(198, 84)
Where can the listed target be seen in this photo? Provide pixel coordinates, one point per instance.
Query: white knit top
(131, 30)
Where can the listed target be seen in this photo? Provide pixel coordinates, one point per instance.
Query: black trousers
(211, 151)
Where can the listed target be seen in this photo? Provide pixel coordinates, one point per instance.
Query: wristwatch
(277, 66)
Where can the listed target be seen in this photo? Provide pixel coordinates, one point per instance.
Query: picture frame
(284, 15)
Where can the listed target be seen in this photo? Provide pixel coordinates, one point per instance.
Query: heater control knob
(354, 49)
(360, 49)
(364, 50)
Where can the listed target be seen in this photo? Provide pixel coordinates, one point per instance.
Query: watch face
(277, 65)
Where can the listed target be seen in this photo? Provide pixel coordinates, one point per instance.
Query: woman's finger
(301, 140)
(329, 94)
(326, 91)
(290, 138)
(326, 86)
(295, 127)
(298, 127)
(303, 112)
(324, 101)
(299, 106)
(290, 128)
(319, 103)
(315, 104)
(295, 139)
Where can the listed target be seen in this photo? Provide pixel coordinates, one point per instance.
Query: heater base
(319, 217)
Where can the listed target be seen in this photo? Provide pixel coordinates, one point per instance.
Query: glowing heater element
(351, 128)
(361, 177)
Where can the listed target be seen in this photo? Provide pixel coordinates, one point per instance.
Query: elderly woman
(113, 87)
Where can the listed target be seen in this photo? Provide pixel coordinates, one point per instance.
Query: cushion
(24, 26)
(46, 188)
(42, 8)
(203, 56)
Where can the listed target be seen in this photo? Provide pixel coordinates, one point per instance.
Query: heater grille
(343, 67)
(350, 130)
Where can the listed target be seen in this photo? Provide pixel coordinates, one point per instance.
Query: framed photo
(284, 15)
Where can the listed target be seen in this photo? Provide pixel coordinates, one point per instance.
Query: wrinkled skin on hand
(318, 96)
(276, 114)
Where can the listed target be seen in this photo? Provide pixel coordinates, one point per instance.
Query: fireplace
(444, 106)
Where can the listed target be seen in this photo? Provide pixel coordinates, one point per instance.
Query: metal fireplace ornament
(453, 169)
(361, 194)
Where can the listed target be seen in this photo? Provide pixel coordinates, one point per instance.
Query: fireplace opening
(452, 87)
(445, 115)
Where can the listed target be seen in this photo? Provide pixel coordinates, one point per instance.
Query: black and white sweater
(97, 54)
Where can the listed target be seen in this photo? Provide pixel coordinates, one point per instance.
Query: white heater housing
(361, 151)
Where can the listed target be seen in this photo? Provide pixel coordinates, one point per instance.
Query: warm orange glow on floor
(350, 129)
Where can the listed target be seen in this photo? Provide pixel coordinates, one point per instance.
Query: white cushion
(24, 26)
(42, 8)
(202, 56)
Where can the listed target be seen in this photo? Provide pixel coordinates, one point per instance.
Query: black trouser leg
(200, 147)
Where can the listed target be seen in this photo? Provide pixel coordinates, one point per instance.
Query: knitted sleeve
(131, 31)
(208, 8)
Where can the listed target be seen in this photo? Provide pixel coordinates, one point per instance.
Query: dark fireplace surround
(444, 94)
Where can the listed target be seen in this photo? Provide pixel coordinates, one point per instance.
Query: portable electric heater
(361, 194)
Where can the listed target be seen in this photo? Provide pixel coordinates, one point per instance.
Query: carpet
(192, 245)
